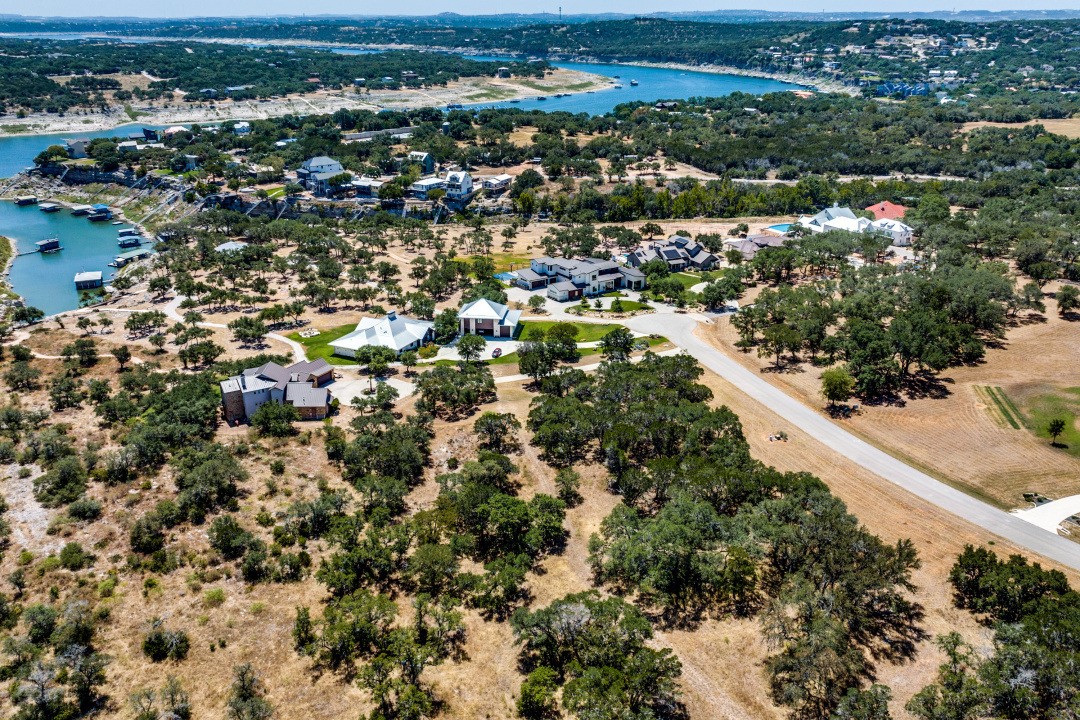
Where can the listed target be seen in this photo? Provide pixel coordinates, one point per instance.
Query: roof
(87, 276)
(428, 183)
(231, 246)
(530, 275)
(886, 210)
(302, 394)
(319, 161)
(564, 285)
(272, 374)
(393, 331)
(484, 309)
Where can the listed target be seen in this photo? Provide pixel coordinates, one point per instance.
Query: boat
(125, 232)
(541, 97)
(633, 83)
(48, 245)
(129, 241)
(100, 216)
(615, 76)
(455, 106)
(515, 101)
(617, 86)
(118, 222)
(49, 207)
(26, 200)
(81, 209)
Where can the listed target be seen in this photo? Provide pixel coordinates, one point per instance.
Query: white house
(459, 185)
(397, 332)
(899, 233)
(421, 188)
(590, 276)
(497, 183)
(816, 223)
(242, 128)
(484, 317)
(316, 172)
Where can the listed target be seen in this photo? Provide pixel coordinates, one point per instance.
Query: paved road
(680, 330)
(1050, 515)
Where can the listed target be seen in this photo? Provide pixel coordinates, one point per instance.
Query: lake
(46, 280)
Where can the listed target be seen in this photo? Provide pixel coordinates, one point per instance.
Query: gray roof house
(299, 385)
(315, 173)
(679, 252)
(752, 244)
(591, 276)
(397, 332)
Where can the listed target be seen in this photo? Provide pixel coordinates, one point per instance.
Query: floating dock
(49, 207)
(26, 200)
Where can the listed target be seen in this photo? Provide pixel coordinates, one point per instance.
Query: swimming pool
(781, 228)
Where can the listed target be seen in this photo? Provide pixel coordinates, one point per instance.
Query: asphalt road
(680, 330)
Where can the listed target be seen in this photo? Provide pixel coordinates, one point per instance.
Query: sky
(237, 8)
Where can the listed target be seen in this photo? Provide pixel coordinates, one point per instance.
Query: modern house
(497, 183)
(589, 276)
(88, 280)
(367, 187)
(751, 245)
(315, 173)
(76, 149)
(243, 127)
(679, 252)
(421, 188)
(423, 159)
(299, 385)
(459, 185)
(484, 317)
(397, 332)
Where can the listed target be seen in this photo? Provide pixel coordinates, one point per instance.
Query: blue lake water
(47, 281)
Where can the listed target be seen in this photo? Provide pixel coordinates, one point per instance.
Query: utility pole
(560, 13)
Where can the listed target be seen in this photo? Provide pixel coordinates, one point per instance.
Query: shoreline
(465, 91)
(6, 290)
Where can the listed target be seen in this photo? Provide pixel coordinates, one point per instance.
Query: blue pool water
(782, 228)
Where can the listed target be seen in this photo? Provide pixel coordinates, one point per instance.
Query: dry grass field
(1069, 127)
(960, 437)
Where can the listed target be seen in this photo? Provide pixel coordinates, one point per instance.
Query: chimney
(392, 315)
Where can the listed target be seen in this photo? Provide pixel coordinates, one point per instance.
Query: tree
(1055, 428)
(617, 345)
(1068, 299)
(246, 701)
(837, 385)
(537, 303)
(496, 430)
(122, 355)
(471, 347)
(275, 419)
(26, 315)
(537, 698)
(446, 326)
(408, 359)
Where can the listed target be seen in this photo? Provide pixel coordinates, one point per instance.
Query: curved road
(680, 330)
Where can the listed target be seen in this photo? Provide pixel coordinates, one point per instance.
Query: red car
(497, 352)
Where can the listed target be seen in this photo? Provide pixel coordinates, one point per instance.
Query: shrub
(161, 644)
(146, 535)
(73, 557)
(64, 483)
(85, 509)
(214, 598)
(275, 419)
(228, 537)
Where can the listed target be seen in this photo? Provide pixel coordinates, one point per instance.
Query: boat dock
(48, 245)
(49, 207)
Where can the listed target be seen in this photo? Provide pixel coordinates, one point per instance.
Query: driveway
(679, 329)
(1050, 515)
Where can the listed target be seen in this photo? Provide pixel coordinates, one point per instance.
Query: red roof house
(887, 211)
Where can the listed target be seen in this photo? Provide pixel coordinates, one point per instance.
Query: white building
(497, 182)
(842, 218)
(421, 188)
(484, 317)
(397, 332)
(459, 185)
(898, 232)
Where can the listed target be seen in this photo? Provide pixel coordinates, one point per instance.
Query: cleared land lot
(958, 433)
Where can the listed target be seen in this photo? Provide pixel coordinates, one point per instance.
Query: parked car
(497, 352)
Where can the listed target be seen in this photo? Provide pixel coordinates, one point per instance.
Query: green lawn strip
(504, 262)
(319, 346)
(688, 280)
(587, 332)
(1012, 406)
(1002, 410)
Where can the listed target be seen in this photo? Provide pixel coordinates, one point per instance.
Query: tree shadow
(926, 384)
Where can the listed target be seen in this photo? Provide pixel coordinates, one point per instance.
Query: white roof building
(485, 317)
(397, 332)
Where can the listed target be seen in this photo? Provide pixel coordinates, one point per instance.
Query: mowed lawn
(319, 346)
(1060, 405)
(587, 332)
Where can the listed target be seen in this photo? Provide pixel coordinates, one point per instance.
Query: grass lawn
(274, 192)
(1064, 404)
(587, 332)
(509, 261)
(627, 306)
(319, 346)
(511, 358)
(688, 280)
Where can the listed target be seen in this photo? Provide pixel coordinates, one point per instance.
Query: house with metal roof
(591, 276)
(485, 317)
(678, 252)
(299, 385)
(397, 332)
